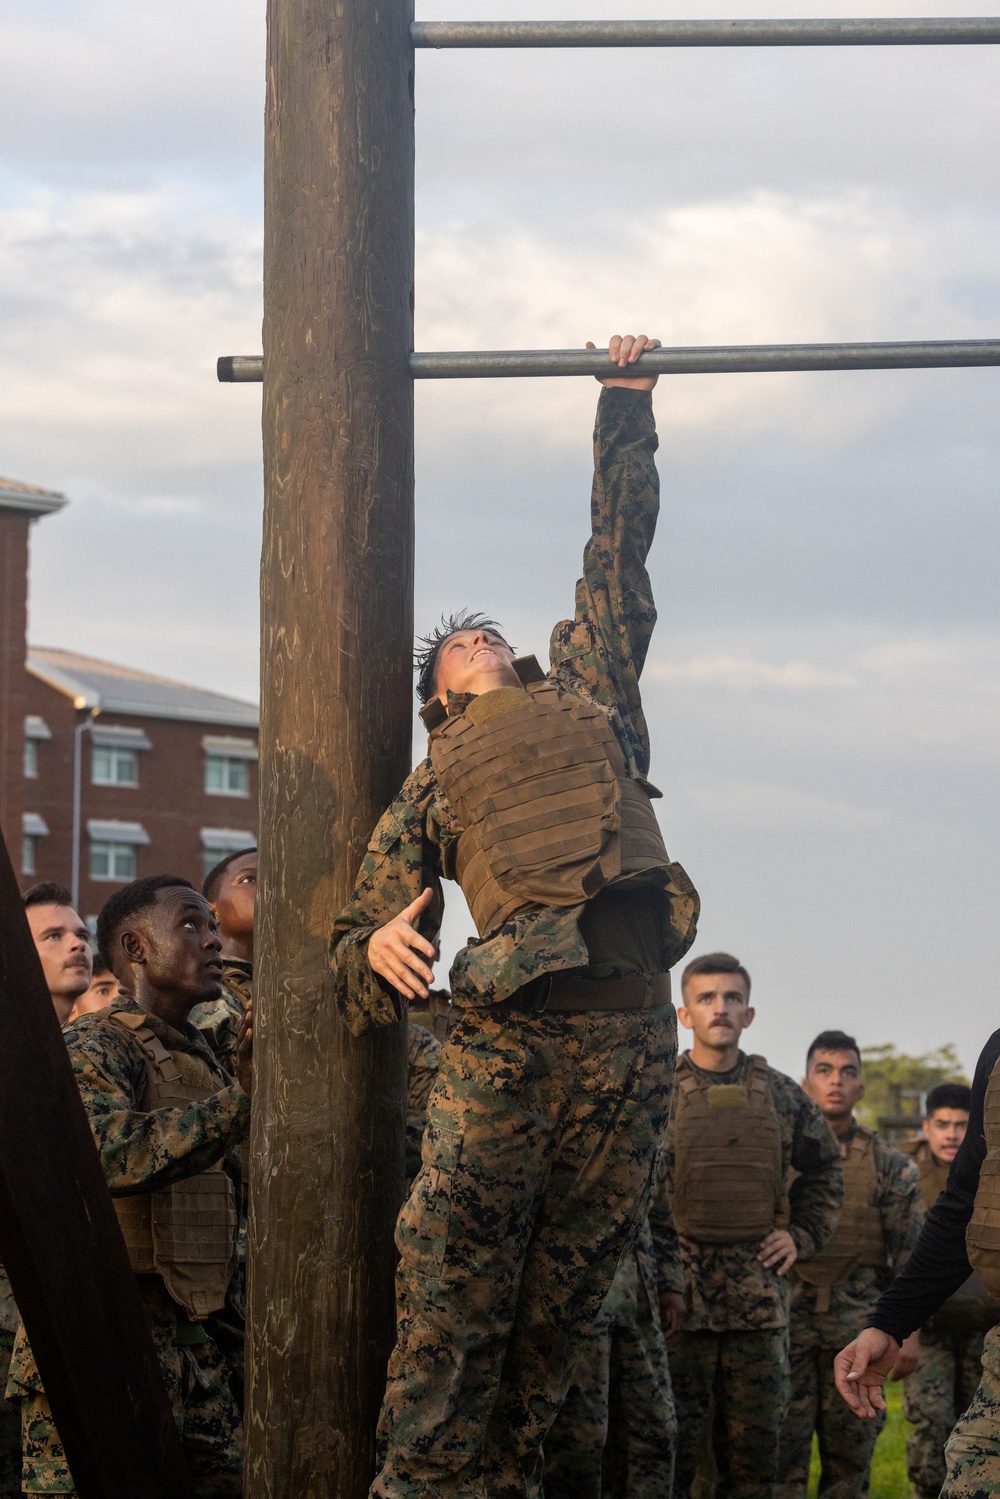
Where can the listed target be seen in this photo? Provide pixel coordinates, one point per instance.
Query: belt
(571, 991)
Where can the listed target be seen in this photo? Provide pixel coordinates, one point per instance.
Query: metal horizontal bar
(721, 360)
(864, 32)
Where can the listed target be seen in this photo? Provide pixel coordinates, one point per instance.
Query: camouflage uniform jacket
(423, 1053)
(901, 1209)
(142, 1151)
(726, 1289)
(599, 655)
(219, 1020)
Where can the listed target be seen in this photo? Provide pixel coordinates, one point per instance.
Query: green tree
(893, 1080)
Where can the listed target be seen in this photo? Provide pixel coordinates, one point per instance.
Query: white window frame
(118, 755)
(229, 764)
(112, 851)
(30, 768)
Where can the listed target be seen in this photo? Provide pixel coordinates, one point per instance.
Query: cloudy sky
(823, 683)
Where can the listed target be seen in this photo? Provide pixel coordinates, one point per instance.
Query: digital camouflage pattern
(972, 1452)
(10, 1424)
(845, 1443)
(934, 1397)
(599, 655)
(733, 1348)
(538, 1155)
(423, 1052)
(219, 1020)
(149, 1150)
(726, 1289)
(616, 1432)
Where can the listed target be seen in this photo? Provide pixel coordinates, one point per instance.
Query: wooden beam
(63, 1250)
(336, 714)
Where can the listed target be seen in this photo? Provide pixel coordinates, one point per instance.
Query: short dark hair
(126, 903)
(47, 893)
(948, 1096)
(833, 1041)
(715, 962)
(428, 647)
(212, 880)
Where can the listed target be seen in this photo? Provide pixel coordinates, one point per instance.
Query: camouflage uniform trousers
(196, 1375)
(739, 1382)
(972, 1452)
(10, 1424)
(542, 1134)
(934, 1396)
(616, 1432)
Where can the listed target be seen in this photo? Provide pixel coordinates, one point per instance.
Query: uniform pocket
(423, 1225)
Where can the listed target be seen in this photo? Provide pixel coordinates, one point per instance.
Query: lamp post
(78, 733)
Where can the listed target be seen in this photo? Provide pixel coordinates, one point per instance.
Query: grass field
(889, 1465)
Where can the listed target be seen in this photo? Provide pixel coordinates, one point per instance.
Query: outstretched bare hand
(393, 950)
(624, 350)
(861, 1367)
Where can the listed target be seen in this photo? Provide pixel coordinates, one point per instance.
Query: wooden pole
(63, 1250)
(336, 714)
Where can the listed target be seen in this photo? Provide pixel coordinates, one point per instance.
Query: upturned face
(944, 1132)
(63, 944)
(474, 661)
(175, 943)
(716, 1008)
(833, 1082)
(234, 903)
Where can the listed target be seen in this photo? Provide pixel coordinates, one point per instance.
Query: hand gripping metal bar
(864, 32)
(732, 359)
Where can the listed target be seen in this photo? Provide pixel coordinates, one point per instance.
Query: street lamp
(78, 733)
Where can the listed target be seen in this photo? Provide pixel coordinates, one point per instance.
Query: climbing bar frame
(732, 359)
(864, 32)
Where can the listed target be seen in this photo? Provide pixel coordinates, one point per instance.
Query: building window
(30, 767)
(226, 776)
(112, 861)
(113, 766)
(29, 855)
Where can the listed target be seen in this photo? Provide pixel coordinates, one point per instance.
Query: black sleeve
(938, 1264)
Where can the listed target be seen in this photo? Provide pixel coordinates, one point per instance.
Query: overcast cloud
(823, 684)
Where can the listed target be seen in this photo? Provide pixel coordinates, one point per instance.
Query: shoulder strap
(158, 1058)
(759, 1080)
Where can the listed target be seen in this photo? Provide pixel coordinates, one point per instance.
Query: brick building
(108, 773)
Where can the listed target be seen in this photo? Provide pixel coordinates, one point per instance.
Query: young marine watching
(103, 990)
(167, 1122)
(951, 1343)
(231, 891)
(959, 1235)
(63, 945)
(555, 1078)
(834, 1292)
(739, 1132)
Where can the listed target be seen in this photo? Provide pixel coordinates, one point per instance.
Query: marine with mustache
(167, 1122)
(555, 1079)
(739, 1133)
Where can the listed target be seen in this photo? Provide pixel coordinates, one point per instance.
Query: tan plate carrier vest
(185, 1233)
(859, 1238)
(728, 1176)
(962, 1312)
(982, 1237)
(551, 816)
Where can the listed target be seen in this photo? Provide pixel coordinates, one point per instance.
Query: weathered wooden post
(336, 704)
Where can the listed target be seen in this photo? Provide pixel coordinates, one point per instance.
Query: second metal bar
(847, 32)
(721, 360)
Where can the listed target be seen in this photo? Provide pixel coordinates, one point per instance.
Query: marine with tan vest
(834, 1292)
(168, 1122)
(555, 1078)
(961, 1234)
(951, 1343)
(751, 1173)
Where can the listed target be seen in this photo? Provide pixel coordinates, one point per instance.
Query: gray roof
(16, 495)
(123, 689)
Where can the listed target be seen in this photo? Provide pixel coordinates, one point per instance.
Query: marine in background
(231, 891)
(103, 991)
(834, 1291)
(739, 1133)
(167, 1123)
(951, 1343)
